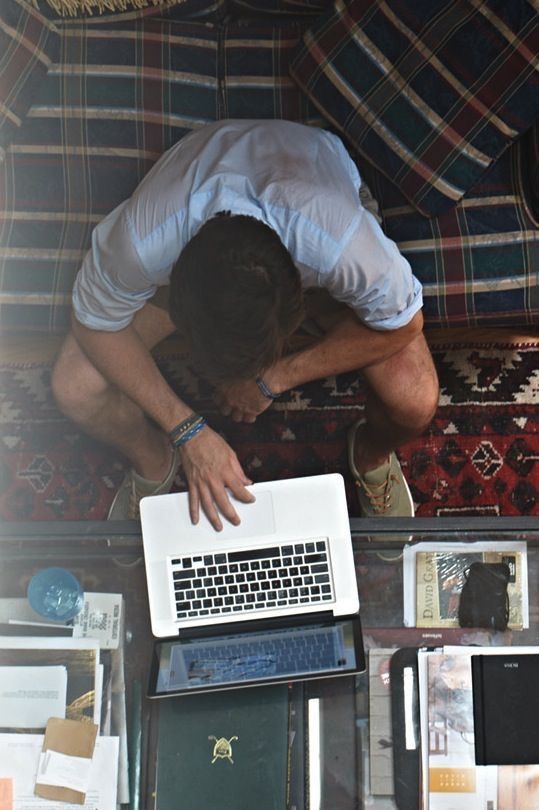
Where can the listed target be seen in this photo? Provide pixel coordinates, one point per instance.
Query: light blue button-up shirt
(299, 180)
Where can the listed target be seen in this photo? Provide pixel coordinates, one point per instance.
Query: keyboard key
(314, 558)
(287, 550)
(253, 554)
(299, 548)
(208, 559)
(220, 559)
(309, 548)
(187, 574)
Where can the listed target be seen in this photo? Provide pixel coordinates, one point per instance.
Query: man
(234, 222)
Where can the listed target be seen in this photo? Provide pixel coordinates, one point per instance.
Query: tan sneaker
(125, 505)
(382, 492)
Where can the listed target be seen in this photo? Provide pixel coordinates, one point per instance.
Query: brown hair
(236, 294)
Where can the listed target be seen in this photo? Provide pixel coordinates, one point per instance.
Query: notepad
(506, 708)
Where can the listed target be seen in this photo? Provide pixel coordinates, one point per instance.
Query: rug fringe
(77, 8)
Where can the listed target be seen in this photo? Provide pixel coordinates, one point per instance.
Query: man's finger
(194, 505)
(210, 510)
(240, 493)
(223, 503)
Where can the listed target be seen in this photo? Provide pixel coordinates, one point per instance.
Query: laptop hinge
(258, 624)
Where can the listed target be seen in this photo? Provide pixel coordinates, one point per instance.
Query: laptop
(273, 599)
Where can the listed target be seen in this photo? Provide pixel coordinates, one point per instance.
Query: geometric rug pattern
(479, 456)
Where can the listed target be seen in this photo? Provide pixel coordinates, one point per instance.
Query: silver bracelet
(265, 390)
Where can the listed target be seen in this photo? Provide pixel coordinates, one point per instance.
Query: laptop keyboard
(238, 582)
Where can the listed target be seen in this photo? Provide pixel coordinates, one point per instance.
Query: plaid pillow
(532, 159)
(121, 95)
(28, 43)
(294, 8)
(255, 78)
(479, 261)
(431, 92)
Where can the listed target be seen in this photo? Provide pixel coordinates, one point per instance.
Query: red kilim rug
(478, 457)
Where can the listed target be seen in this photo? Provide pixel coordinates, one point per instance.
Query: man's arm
(348, 345)
(210, 465)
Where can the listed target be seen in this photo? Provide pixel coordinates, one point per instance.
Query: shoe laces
(133, 507)
(379, 495)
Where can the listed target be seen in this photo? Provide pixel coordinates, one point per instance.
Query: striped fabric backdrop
(93, 103)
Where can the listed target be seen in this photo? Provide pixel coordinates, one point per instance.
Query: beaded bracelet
(187, 429)
(265, 390)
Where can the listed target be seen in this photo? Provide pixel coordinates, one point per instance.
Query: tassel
(77, 8)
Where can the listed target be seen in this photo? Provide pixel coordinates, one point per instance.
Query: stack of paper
(79, 678)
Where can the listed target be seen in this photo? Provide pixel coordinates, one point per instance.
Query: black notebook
(506, 708)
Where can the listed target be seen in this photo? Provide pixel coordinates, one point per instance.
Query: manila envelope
(74, 738)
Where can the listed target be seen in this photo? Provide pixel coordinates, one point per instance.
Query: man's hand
(211, 467)
(242, 400)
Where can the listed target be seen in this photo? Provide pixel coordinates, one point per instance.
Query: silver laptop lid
(298, 521)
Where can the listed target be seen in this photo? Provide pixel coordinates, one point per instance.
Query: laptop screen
(297, 652)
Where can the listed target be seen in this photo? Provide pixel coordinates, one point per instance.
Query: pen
(135, 746)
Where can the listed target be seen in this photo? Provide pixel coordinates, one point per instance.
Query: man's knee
(75, 382)
(407, 388)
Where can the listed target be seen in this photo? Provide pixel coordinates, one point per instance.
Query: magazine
(451, 779)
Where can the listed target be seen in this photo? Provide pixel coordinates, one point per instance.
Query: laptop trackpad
(257, 519)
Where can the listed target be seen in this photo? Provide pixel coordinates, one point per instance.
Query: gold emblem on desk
(222, 748)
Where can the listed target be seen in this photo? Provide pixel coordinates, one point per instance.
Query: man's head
(236, 294)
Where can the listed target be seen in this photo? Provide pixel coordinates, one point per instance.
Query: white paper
(54, 643)
(100, 618)
(62, 770)
(30, 695)
(19, 759)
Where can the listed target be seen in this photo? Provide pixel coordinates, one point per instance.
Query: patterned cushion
(532, 161)
(99, 124)
(479, 261)
(28, 43)
(256, 81)
(430, 91)
(280, 7)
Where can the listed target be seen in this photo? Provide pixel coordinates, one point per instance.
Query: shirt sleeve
(111, 284)
(374, 279)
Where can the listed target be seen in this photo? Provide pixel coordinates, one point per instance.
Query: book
(227, 750)
(506, 708)
(380, 728)
(435, 574)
